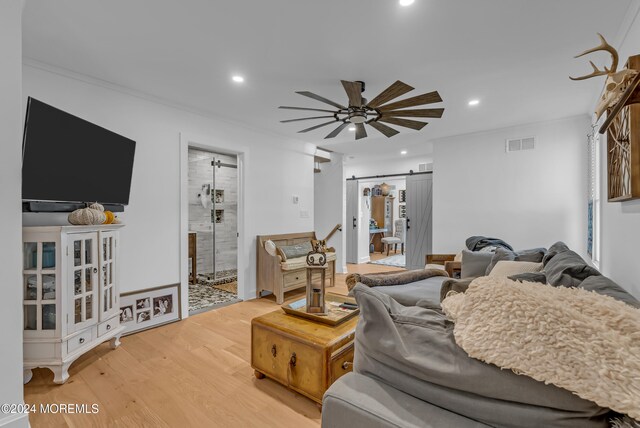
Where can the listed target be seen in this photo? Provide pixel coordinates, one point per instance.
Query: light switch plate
(304, 213)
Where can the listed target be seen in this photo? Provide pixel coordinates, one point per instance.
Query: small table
(372, 234)
(303, 355)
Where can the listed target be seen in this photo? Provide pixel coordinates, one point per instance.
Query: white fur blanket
(575, 339)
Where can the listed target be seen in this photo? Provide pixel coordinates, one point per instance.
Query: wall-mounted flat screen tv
(67, 159)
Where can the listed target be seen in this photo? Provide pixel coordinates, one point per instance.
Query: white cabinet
(71, 294)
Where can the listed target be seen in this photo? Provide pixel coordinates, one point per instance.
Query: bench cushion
(301, 262)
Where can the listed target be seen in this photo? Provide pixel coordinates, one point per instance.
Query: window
(593, 210)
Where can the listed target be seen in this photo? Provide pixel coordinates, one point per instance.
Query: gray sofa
(408, 371)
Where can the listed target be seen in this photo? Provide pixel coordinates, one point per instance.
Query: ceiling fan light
(357, 119)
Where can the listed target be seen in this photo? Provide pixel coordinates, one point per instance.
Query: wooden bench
(270, 274)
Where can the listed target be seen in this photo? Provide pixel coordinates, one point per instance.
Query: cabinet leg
(258, 375)
(27, 374)
(115, 342)
(60, 373)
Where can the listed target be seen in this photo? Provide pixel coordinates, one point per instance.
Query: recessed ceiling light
(474, 102)
(352, 128)
(237, 79)
(404, 152)
(406, 2)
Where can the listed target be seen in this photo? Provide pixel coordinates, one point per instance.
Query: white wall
(330, 208)
(10, 195)
(529, 198)
(150, 242)
(401, 165)
(620, 221)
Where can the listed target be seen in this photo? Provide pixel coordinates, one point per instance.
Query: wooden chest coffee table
(303, 355)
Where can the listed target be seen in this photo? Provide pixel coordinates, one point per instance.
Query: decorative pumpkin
(97, 206)
(86, 216)
(116, 220)
(109, 217)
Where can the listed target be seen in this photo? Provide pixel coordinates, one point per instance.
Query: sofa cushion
(356, 401)
(506, 268)
(294, 251)
(301, 262)
(564, 267)
(533, 255)
(603, 285)
(474, 263)
(413, 350)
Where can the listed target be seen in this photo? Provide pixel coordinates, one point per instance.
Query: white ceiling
(513, 55)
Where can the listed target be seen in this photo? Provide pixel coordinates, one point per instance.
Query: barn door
(419, 219)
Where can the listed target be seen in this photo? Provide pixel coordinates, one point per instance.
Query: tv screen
(68, 159)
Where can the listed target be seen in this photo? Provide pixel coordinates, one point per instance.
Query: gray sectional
(408, 371)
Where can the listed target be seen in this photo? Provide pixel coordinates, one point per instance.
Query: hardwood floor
(193, 373)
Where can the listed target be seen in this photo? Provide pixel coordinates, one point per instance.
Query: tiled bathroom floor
(204, 295)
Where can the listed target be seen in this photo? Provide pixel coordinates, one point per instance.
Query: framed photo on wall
(140, 310)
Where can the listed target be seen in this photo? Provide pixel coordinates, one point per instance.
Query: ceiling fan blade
(354, 92)
(305, 108)
(360, 131)
(386, 130)
(316, 127)
(426, 112)
(305, 118)
(394, 91)
(429, 98)
(413, 124)
(321, 99)
(337, 130)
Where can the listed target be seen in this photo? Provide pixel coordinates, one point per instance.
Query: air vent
(424, 167)
(518, 144)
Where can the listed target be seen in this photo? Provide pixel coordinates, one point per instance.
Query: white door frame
(222, 147)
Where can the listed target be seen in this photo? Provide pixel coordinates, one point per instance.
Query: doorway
(212, 229)
(375, 207)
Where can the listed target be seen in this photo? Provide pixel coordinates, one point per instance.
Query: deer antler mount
(617, 81)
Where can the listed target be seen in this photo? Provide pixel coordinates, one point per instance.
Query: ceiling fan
(373, 113)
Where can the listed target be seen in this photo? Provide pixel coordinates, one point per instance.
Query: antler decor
(617, 81)
(621, 100)
(604, 46)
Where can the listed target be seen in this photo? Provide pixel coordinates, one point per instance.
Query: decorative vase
(384, 187)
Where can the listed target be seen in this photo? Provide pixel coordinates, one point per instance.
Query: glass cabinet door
(108, 295)
(83, 262)
(39, 285)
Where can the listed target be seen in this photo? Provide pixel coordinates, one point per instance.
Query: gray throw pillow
(474, 263)
(534, 255)
(564, 267)
(603, 285)
(296, 250)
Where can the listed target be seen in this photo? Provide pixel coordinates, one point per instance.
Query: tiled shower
(213, 215)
